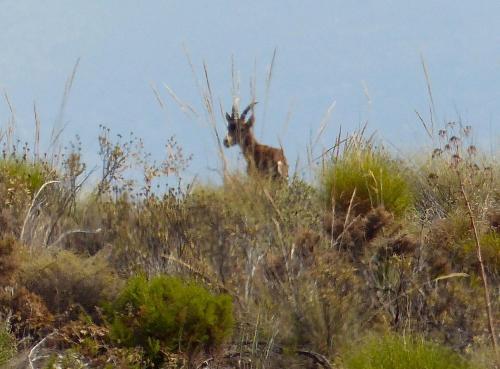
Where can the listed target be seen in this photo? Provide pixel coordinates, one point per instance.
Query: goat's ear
(251, 121)
(228, 117)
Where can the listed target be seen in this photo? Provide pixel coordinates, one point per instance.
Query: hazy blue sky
(364, 55)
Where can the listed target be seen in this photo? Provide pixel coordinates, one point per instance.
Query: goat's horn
(247, 109)
(234, 113)
(236, 107)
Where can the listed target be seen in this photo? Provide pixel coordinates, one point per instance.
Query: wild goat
(261, 159)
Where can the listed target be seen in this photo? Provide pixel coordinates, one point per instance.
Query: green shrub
(24, 174)
(490, 249)
(19, 181)
(377, 179)
(392, 351)
(167, 314)
(7, 344)
(490, 244)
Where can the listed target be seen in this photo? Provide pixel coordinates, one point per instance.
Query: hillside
(380, 262)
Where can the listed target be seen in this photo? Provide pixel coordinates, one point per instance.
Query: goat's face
(238, 128)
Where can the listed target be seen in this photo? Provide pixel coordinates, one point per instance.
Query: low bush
(9, 260)
(391, 351)
(377, 179)
(455, 163)
(64, 278)
(490, 248)
(24, 174)
(30, 317)
(166, 314)
(7, 344)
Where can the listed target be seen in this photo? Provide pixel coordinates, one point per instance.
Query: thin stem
(28, 213)
(483, 272)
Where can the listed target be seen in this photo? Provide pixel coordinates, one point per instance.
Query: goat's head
(238, 127)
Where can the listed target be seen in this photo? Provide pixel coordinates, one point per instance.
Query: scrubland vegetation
(381, 262)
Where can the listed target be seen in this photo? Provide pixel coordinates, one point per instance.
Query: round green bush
(377, 179)
(391, 351)
(167, 314)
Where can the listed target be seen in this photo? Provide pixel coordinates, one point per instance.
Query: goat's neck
(248, 147)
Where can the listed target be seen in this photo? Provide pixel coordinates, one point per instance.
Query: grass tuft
(372, 176)
(22, 173)
(7, 344)
(391, 351)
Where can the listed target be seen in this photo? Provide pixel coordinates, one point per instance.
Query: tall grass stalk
(36, 153)
(269, 79)
(59, 126)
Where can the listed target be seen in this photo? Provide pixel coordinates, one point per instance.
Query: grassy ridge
(374, 245)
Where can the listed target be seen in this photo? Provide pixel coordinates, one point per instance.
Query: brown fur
(261, 159)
